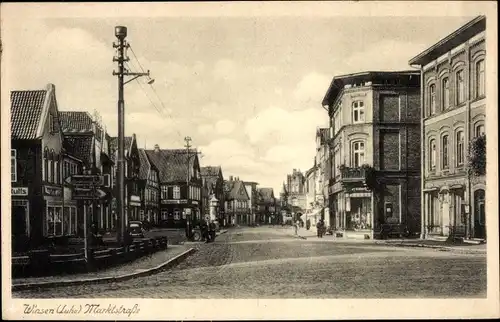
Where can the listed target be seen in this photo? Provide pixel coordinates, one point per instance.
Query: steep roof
(235, 190)
(172, 164)
(145, 165)
(81, 146)
(113, 145)
(266, 194)
(26, 112)
(76, 122)
(210, 171)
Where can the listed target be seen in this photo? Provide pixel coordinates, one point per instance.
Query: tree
(477, 156)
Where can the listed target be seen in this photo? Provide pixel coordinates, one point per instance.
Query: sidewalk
(459, 247)
(141, 267)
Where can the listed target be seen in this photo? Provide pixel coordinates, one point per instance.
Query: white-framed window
(460, 86)
(49, 172)
(445, 94)
(460, 146)
(480, 130)
(358, 153)
(177, 214)
(432, 99)
(480, 79)
(13, 165)
(358, 112)
(54, 221)
(164, 192)
(177, 192)
(432, 148)
(444, 148)
(56, 171)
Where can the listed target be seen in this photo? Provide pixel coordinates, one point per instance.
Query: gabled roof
(81, 145)
(172, 164)
(76, 122)
(145, 165)
(26, 113)
(113, 145)
(235, 190)
(266, 194)
(210, 171)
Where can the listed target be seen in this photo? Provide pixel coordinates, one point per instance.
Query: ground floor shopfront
(239, 218)
(175, 214)
(396, 202)
(447, 210)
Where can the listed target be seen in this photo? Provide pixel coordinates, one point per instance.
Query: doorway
(20, 225)
(479, 214)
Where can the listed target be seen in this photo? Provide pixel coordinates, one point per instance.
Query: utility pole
(187, 139)
(121, 46)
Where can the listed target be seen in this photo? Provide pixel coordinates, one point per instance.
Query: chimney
(157, 148)
(230, 178)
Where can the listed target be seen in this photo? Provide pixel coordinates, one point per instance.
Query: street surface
(267, 262)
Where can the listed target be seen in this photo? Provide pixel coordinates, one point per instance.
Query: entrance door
(19, 227)
(445, 214)
(479, 214)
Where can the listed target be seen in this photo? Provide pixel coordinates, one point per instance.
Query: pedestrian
(211, 227)
(318, 229)
(297, 227)
(188, 229)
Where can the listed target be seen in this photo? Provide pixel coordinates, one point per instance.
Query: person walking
(297, 227)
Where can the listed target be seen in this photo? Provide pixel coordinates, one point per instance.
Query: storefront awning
(430, 189)
(444, 189)
(457, 186)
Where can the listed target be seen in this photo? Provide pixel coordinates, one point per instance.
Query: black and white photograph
(235, 160)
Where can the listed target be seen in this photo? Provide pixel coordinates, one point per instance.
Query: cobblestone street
(268, 262)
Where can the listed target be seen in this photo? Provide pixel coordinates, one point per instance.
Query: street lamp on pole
(121, 46)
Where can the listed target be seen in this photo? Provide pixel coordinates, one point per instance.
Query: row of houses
(398, 143)
(163, 187)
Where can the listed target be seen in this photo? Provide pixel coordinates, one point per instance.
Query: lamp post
(121, 46)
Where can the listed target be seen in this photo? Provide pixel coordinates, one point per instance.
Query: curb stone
(168, 264)
(438, 247)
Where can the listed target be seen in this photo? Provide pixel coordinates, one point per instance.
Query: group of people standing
(207, 230)
(320, 227)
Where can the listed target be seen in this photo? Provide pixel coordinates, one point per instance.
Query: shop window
(13, 165)
(73, 221)
(67, 221)
(177, 214)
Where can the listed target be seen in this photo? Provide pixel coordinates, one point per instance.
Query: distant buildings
(237, 202)
(453, 92)
(266, 204)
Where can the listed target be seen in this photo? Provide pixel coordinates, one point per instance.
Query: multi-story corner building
(237, 201)
(42, 207)
(90, 144)
(214, 180)
(375, 125)
(180, 185)
(322, 173)
(296, 195)
(453, 90)
(149, 190)
(133, 201)
(253, 196)
(267, 206)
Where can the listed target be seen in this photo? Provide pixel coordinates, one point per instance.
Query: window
(164, 192)
(432, 148)
(358, 112)
(51, 123)
(54, 221)
(177, 192)
(460, 85)
(445, 151)
(49, 172)
(177, 214)
(56, 171)
(13, 166)
(445, 100)
(480, 130)
(73, 221)
(432, 99)
(480, 79)
(460, 148)
(358, 153)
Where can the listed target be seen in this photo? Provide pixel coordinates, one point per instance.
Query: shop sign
(52, 191)
(19, 191)
(174, 201)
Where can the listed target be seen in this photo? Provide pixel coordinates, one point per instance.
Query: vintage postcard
(249, 160)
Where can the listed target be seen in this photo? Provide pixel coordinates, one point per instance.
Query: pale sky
(248, 91)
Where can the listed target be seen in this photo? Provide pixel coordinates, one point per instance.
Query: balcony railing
(352, 174)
